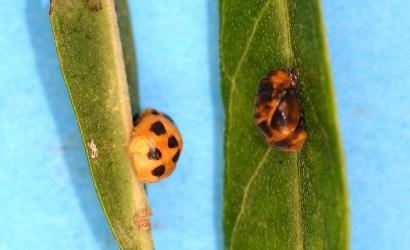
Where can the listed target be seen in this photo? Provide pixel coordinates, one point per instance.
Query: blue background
(46, 194)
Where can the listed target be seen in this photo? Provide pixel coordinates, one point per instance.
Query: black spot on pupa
(158, 171)
(172, 142)
(158, 128)
(265, 91)
(154, 154)
(279, 119)
(176, 156)
(282, 144)
(168, 118)
(265, 128)
(135, 119)
(154, 112)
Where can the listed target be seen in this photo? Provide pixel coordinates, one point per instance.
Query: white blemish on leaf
(94, 150)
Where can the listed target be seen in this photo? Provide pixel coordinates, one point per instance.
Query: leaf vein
(246, 193)
(238, 67)
(249, 41)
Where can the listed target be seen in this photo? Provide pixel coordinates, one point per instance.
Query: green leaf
(89, 50)
(272, 199)
(128, 51)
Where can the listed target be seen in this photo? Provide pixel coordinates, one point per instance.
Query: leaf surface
(272, 199)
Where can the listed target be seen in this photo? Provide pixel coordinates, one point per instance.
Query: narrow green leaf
(128, 51)
(89, 50)
(280, 200)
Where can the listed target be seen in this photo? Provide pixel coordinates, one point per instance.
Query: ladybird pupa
(277, 112)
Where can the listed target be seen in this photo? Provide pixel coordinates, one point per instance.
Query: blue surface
(47, 197)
